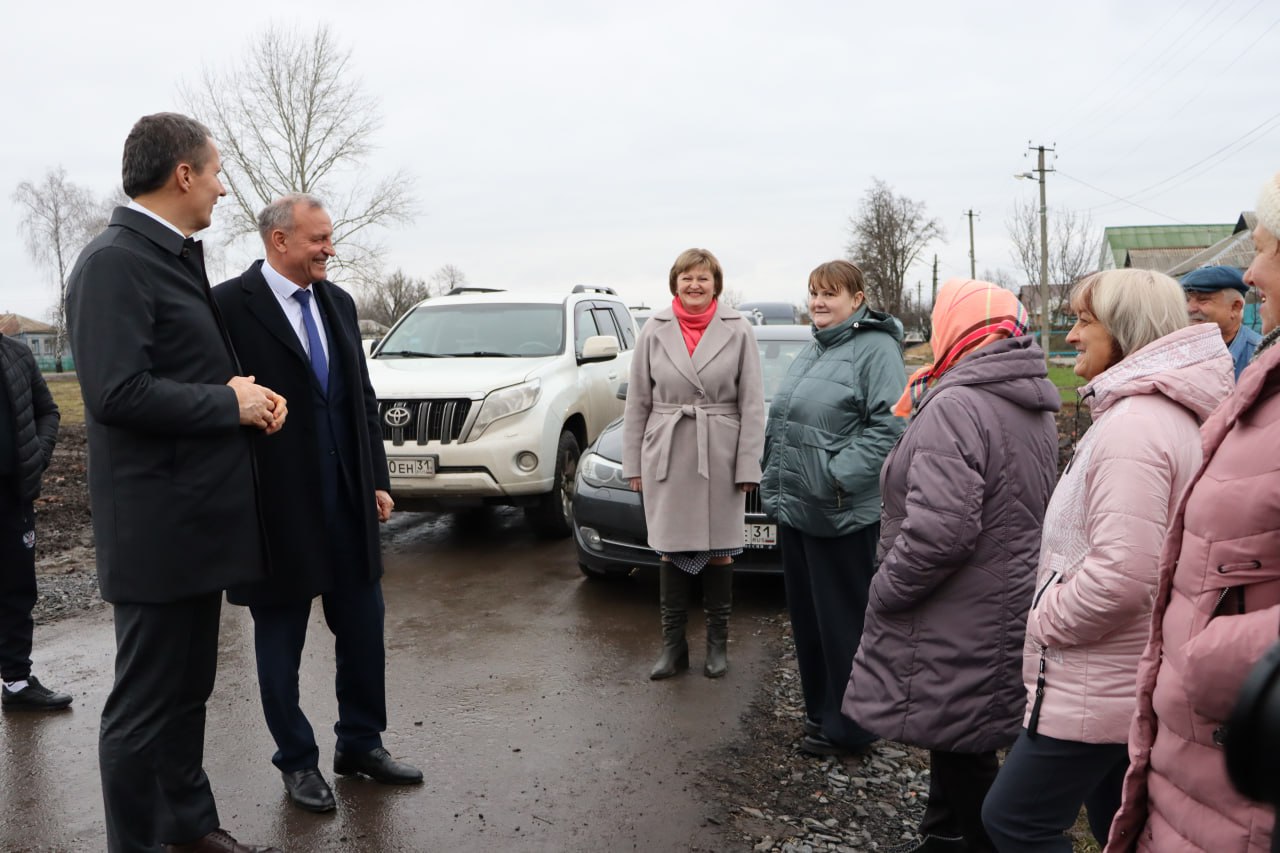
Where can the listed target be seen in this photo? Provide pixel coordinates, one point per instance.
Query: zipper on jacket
(1053, 576)
(1034, 720)
(1222, 596)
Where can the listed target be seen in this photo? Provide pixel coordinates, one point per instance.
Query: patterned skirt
(693, 562)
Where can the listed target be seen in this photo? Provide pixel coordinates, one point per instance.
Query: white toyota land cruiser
(490, 397)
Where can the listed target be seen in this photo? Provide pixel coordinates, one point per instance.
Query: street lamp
(1044, 253)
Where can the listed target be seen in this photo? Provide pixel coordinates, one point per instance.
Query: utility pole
(1045, 330)
(935, 281)
(973, 266)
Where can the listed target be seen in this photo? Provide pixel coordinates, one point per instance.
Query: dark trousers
(151, 745)
(1040, 789)
(354, 613)
(827, 580)
(17, 581)
(958, 782)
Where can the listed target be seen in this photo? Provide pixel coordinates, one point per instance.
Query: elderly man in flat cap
(1216, 295)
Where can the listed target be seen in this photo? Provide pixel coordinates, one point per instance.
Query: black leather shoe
(219, 841)
(308, 790)
(812, 727)
(378, 765)
(34, 697)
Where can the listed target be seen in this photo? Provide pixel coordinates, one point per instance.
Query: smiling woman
(693, 429)
(829, 427)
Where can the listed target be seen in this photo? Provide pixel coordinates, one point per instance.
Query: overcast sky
(562, 142)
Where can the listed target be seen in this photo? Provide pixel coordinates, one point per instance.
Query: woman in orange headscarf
(964, 491)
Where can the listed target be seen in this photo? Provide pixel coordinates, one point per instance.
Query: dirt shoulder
(67, 579)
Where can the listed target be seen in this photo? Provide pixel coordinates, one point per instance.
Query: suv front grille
(426, 420)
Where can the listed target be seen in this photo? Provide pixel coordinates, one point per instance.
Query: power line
(1161, 58)
(1133, 54)
(1127, 201)
(1158, 129)
(1233, 143)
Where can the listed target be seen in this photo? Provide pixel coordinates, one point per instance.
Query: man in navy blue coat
(325, 489)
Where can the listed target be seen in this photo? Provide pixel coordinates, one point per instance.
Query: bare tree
(731, 296)
(445, 279)
(1074, 246)
(1000, 278)
(385, 300)
(886, 236)
(58, 218)
(290, 116)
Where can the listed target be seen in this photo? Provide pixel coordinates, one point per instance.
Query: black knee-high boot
(673, 586)
(717, 601)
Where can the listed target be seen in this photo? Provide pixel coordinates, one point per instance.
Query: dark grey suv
(609, 525)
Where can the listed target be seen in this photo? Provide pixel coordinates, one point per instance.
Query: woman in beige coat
(693, 433)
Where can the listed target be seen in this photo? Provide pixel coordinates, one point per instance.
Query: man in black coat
(324, 485)
(171, 481)
(28, 430)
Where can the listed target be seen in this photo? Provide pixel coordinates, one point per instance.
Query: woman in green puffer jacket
(830, 427)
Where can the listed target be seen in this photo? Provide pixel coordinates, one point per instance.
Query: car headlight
(506, 402)
(602, 473)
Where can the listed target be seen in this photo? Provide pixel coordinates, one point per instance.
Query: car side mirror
(622, 390)
(599, 348)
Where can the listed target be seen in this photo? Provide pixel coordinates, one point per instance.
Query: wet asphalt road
(517, 685)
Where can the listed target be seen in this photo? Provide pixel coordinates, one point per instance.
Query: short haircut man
(1215, 294)
(176, 520)
(324, 481)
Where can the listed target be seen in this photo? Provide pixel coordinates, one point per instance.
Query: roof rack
(467, 288)
(594, 288)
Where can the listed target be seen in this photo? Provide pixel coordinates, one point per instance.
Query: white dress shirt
(284, 290)
(133, 205)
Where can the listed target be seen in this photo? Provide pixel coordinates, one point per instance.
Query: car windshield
(490, 330)
(775, 360)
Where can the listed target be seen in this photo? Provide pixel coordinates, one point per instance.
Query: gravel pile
(66, 580)
(65, 592)
(781, 799)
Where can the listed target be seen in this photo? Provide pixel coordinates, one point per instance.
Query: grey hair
(1135, 306)
(279, 214)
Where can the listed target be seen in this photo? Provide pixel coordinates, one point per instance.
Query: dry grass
(66, 393)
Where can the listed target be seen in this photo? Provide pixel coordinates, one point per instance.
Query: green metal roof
(1120, 239)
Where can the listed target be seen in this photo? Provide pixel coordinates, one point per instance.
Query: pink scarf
(692, 325)
(967, 316)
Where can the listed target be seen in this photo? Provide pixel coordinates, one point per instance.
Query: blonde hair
(1135, 306)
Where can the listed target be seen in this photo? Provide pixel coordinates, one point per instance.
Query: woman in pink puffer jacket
(1217, 610)
(1151, 382)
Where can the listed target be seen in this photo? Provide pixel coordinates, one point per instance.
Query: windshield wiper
(409, 353)
(481, 354)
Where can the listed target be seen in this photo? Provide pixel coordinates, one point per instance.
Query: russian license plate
(761, 535)
(421, 466)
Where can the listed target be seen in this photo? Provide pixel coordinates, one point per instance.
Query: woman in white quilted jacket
(1151, 381)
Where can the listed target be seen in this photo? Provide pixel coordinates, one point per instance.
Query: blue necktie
(318, 362)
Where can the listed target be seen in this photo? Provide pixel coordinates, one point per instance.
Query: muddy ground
(760, 790)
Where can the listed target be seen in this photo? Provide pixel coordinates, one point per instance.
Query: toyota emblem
(396, 416)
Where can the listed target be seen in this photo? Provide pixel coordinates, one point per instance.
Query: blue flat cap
(1210, 279)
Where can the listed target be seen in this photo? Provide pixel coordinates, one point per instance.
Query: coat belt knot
(671, 413)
